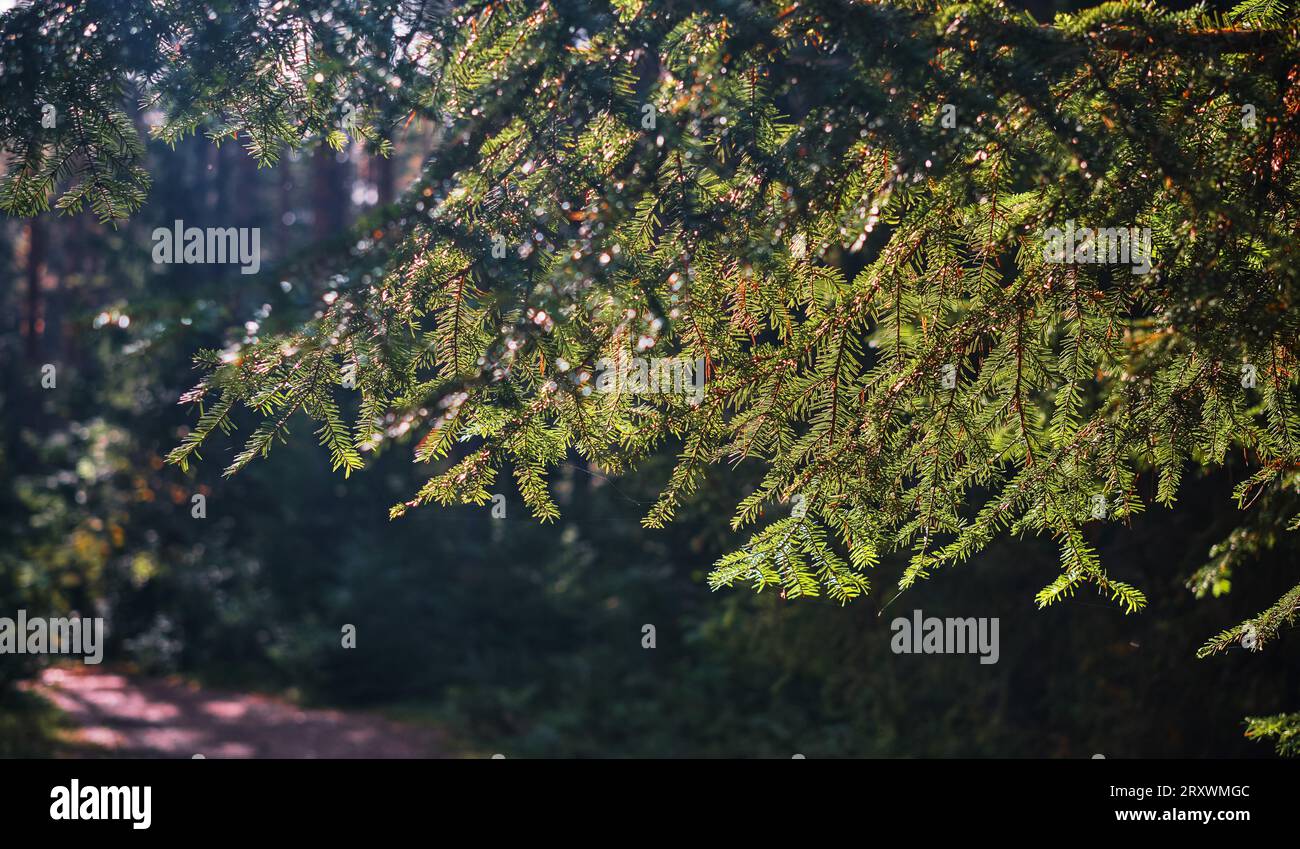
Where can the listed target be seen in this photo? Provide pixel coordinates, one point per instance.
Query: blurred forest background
(508, 634)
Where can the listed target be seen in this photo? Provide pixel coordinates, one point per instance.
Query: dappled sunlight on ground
(116, 715)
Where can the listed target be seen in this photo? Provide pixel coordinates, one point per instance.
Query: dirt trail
(122, 716)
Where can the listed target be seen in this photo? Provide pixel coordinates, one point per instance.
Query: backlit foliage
(771, 188)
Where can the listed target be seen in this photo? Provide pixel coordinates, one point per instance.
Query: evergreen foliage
(838, 207)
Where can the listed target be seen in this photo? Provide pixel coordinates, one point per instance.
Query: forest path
(125, 716)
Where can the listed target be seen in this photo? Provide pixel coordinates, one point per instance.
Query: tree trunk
(329, 194)
(34, 327)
